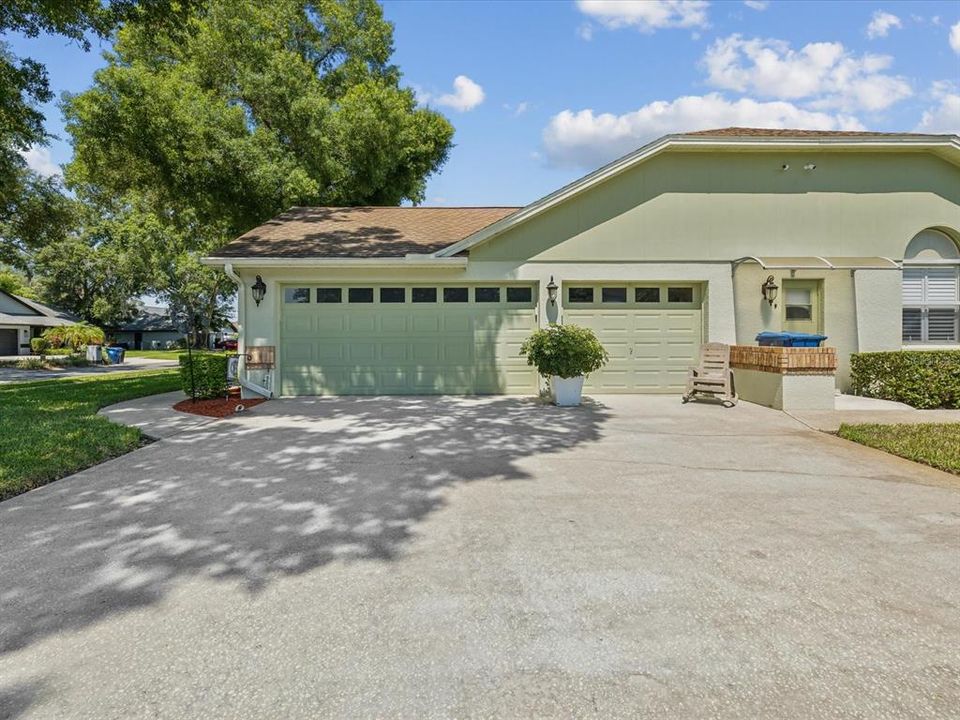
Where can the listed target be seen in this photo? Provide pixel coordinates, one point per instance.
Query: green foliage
(29, 363)
(565, 351)
(34, 212)
(921, 378)
(932, 444)
(40, 345)
(75, 336)
(15, 283)
(50, 429)
(209, 377)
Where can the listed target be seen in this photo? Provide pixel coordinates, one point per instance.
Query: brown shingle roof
(788, 133)
(362, 231)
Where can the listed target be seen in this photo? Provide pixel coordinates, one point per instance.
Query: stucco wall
(721, 206)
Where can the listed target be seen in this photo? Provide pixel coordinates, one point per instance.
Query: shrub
(75, 336)
(921, 378)
(39, 345)
(564, 350)
(30, 364)
(71, 360)
(209, 374)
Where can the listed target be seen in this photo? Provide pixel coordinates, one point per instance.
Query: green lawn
(50, 429)
(932, 444)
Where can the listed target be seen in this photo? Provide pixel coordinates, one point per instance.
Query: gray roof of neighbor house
(325, 232)
(35, 313)
(150, 319)
(746, 132)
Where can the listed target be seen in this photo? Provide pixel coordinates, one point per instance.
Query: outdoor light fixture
(769, 289)
(552, 291)
(259, 289)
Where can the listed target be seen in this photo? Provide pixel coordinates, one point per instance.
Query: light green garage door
(652, 332)
(403, 339)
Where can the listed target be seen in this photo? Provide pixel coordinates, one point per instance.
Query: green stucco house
(659, 251)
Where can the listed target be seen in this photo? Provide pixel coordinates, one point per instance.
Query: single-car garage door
(9, 342)
(652, 332)
(406, 339)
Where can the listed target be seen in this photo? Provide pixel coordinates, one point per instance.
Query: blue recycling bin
(115, 354)
(789, 339)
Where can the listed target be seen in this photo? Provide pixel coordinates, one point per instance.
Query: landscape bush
(75, 336)
(920, 378)
(40, 346)
(29, 363)
(209, 378)
(566, 351)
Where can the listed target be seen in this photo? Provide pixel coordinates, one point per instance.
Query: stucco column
(878, 302)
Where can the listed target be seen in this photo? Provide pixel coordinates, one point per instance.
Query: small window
(393, 295)
(613, 294)
(455, 295)
(519, 294)
(487, 294)
(360, 295)
(798, 304)
(646, 294)
(296, 295)
(424, 295)
(329, 295)
(580, 295)
(680, 294)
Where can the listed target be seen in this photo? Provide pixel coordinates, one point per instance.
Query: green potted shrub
(565, 355)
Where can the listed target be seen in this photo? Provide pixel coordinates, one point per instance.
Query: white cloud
(39, 160)
(944, 116)
(646, 15)
(584, 139)
(955, 38)
(585, 31)
(824, 74)
(466, 95)
(881, 24)
(757, 4)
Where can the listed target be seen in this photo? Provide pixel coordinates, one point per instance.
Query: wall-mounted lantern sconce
(259, 289)
(552, 291)
(769, 290)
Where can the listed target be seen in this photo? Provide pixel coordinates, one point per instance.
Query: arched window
(931, 290)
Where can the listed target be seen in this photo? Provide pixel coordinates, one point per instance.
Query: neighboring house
(151, 329)
(22, 319)
(658, 252)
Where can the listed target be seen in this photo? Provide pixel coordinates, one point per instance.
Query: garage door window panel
(487, 295)
(329, 295)
(424, 295)
(613, 294)
(360, 295)
(519, 295)
(296, 295)
(580, 295)
(680, 295)
(393, 295)
(646, 295)
(456, 295)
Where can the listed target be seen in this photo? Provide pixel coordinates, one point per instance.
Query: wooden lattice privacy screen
(261, 357)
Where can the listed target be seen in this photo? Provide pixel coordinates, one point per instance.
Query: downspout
(241, 336)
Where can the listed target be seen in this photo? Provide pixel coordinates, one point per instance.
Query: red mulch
(216, 408)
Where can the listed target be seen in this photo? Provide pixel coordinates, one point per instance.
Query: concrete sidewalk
(854, 410)
(155, 416)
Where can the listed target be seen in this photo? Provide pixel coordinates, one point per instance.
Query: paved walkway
(494, 557)
(155, 416)
(12, 374)
(855, 410)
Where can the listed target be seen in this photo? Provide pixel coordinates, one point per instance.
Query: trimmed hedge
(921, 378)
(209, 375)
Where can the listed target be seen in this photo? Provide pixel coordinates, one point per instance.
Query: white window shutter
(913, 285)
(941, 285)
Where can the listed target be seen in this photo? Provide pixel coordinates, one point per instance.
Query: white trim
(827, 265)
(950, 143)
(409, 261)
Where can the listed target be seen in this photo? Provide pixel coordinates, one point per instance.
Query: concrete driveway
(491, 557)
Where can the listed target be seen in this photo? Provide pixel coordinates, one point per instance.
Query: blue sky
(542, 92)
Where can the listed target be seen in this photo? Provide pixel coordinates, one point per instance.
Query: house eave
(408, 261)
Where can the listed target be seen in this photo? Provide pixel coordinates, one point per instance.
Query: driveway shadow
(288, 488)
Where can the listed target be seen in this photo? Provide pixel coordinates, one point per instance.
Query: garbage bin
(95, 354)
(115, 354)
(790, 339)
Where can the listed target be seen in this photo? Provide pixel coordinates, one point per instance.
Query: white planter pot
(566, 391)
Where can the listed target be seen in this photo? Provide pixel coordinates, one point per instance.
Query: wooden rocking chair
(712, 376)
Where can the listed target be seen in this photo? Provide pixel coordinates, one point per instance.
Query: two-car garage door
(413, 339)
(420, 339)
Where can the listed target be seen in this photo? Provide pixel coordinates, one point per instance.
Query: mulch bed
(216, 408)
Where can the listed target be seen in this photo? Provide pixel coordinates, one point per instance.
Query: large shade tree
(207, 128)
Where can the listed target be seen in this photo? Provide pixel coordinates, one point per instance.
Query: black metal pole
(193, 384)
